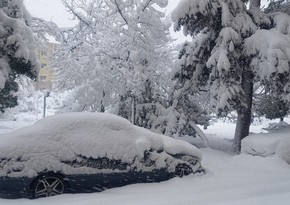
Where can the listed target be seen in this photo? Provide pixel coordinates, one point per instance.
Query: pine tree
(17, 55)
(273, 107)
(233, 47)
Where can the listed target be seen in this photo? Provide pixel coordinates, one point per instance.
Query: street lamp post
(45, 95)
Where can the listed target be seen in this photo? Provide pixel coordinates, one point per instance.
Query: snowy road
(241, 179)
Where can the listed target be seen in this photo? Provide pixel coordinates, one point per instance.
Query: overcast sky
(50, 10)
(54, 10)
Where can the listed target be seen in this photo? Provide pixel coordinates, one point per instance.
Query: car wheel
(182, 169)
(48, 185)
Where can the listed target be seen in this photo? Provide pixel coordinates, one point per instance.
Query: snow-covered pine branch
(233, 48)
(17, 53)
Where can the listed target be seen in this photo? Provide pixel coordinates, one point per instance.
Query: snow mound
(275, 143)
(283, 150)
(65, 137)
(276, 126)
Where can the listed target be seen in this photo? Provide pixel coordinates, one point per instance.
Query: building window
(43, 53)
(43, 65)
(43, 78)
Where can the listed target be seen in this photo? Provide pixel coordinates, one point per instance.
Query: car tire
(182, 170)
(46, 185)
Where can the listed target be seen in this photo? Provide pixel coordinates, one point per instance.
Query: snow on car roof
(65, 136)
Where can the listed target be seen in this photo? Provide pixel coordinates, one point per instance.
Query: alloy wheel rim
(49, 186)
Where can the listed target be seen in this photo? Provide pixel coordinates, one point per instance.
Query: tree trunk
(133, 110)
(244, 115)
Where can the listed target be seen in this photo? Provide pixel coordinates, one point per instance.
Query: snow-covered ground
(230, 179)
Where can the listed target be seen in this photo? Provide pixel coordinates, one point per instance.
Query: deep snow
(230, 179)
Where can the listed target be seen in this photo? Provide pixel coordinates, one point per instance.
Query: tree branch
(120, 12)
(78, 16)
(146, 5)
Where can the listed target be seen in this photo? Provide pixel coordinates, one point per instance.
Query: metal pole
(46, 94)
(44, 105)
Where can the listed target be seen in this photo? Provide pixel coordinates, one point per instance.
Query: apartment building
(45, 76)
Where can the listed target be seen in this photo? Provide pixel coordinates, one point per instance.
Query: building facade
(45, 76)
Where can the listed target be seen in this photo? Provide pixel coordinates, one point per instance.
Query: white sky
(54, 10)
(50, 10)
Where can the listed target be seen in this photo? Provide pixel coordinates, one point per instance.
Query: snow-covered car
(87, 152)
(274, 143)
